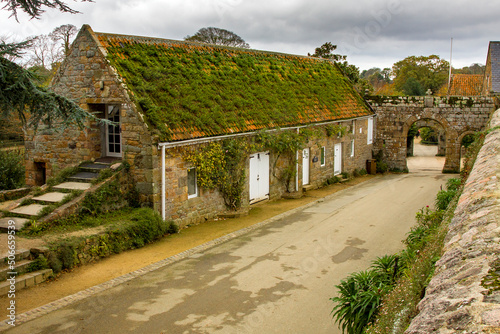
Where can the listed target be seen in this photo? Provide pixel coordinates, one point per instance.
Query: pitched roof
(494, 57)
(188, 90)
(466, 85)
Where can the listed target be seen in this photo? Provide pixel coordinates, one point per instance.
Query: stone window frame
(190, 175)
(352, 148)
(323, 156)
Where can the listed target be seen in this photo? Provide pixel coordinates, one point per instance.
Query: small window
(323, 159)
(192, 183)
(352, 148)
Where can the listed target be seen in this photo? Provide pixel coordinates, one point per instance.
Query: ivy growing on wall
(221, 165)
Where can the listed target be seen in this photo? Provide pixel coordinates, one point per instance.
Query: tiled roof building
(491, 83)
(168, 99)
(466, 85)
(189, 90)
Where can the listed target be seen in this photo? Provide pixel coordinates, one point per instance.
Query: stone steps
(79, 181)
(23, 279)
(20, 267)
(83, 177)
(18, 223)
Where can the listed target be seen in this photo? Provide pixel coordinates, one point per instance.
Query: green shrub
(11, 169)
(133, 229)
(382, 167)
(38, 264)
(359, 297)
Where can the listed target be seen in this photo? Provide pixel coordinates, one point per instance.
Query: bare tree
(218, 36)
(43, 52)
(64, 34)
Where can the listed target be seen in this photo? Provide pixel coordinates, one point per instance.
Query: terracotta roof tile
(466, 85)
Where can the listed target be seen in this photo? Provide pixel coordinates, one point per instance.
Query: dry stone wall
(464, 294)
(458, 116)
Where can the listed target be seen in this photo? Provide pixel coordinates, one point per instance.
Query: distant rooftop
(466, 85)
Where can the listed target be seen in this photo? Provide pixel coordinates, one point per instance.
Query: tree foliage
(326, 51)
(19, 93)
(472, 69)
(418, 74)
(218, 36)
(35, 8)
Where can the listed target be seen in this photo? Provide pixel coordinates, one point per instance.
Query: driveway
(278, 278)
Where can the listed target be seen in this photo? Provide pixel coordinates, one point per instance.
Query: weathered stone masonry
(464, 294)
(457, 116)
(209, 203)
(87, 78)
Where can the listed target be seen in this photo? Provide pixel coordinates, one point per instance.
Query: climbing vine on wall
(221, 165)
(285, 143)
(335, 130)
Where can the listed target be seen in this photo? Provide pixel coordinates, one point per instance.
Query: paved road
(424, 159)
(275, 279)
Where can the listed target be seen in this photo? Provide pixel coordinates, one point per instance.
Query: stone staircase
(82, 180)
(18, 267)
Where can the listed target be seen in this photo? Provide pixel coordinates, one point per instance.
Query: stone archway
(448, 145)
(441, 134)
(456, 115)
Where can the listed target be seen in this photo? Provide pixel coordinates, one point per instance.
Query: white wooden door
(259, 177)
(113, 132)
(337, 162)
(305, 166)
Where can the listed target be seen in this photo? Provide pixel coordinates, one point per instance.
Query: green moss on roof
(188, 90)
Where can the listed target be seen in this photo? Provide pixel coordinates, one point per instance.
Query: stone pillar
(452, 162)
(441, 144)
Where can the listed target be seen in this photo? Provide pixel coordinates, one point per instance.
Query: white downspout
(163, 197)
(297, 169)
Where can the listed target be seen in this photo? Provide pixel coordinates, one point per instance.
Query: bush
(38, 264)
(11, 169)
(359, 298)
(444, 197)
(139, 228)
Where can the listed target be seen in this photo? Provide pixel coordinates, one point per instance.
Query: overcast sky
(372, 33)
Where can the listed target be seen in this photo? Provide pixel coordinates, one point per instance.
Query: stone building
(491, 85)
(171, 99)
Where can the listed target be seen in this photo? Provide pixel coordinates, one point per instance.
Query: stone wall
(464, 294)
(86, 77)
(458, 116)
(209, 203)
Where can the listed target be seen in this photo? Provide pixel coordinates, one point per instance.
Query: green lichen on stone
(491, 281)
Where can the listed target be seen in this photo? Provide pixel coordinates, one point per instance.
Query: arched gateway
(455, 117)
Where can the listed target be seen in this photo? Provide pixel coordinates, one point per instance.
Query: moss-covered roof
(189, 90)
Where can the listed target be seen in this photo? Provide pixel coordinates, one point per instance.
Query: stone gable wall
(86, 77)
(464, 294)
(458, 116)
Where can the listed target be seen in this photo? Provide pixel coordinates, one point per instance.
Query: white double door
(259, 176)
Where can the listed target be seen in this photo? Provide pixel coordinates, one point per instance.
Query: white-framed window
(352, 148)
(323, 156)
(353, 126)
(192, 183)
(369, 134)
